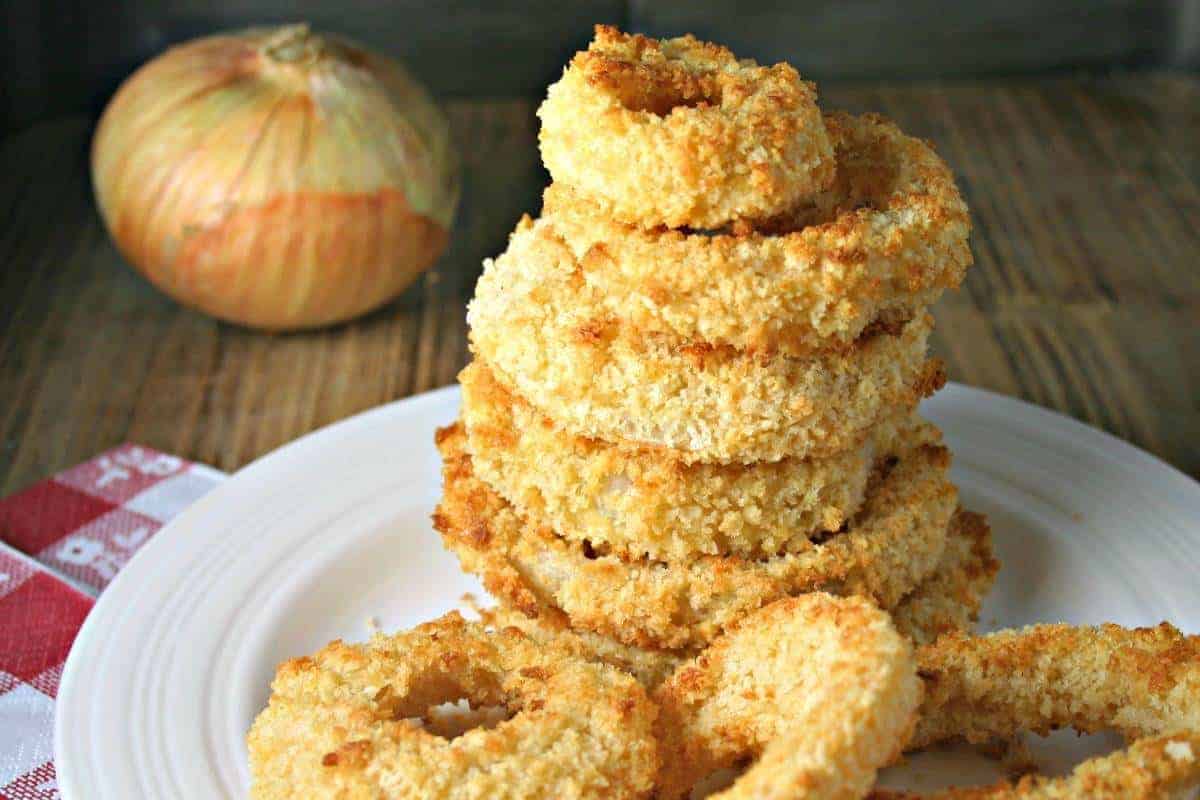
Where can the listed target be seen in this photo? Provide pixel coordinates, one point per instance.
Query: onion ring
(338, 721)
(895, 542)
(882, 243)
(681, 132)
(821, 690)
(948, 600)
(636, 502)
(546, 335)
(1143, 683)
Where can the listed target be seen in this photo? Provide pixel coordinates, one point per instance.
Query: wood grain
(1085, 295)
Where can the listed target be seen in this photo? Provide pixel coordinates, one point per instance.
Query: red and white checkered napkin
(63, 540)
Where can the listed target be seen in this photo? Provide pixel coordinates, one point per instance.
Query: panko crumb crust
(947, 601)
(680, 132)
(1143, 683)
(643, 501)
(1155, 768)
(545, 333)
(820, 691)
(882, 243)
(1137, 682)
(894, 543)
(343, 722)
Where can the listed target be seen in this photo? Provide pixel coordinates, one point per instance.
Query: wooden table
(1085, 294)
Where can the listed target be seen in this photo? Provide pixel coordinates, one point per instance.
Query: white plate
(314, 540)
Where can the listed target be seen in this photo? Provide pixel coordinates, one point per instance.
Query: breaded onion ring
(545, 333)
(821, 691)
(893, 544)
(1155, 768)
(1143, 683)
(680, 132)
(339, 723)
(636, 502)
(946, 601)
(882, 243)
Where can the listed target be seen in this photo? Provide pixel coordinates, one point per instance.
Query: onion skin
(275, 179)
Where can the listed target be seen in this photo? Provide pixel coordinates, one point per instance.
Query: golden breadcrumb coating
(893, 544)
(344, 721)
(821, 691)
(545, 333)
(946, 601)
(644, 502)
(1143, 683)
(681, 132)
(882, 242)
(949, 600)
(1156, 768)
(649, 666)
(1138, 682)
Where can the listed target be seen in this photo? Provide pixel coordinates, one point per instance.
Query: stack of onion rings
(895, 542)
(636, 502)
(689, 469)
(546, 334)
(682, 132)
(878, 246)
(947, 601)
(341, 723)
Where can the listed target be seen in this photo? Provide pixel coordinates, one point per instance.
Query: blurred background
(1073, 127)
(62, 56)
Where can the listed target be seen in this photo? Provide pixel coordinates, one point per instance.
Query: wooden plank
(1085, 295)
(923, 38)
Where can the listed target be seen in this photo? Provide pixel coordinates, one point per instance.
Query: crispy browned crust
(895, 542)
(340, 723)
(636, 502)
(1138, 682)
(883, 242)
(546, 334)
(649, 665)
(1154, 768)
(1143, 683)
(681, 132)
(821, 691)
(946, 601)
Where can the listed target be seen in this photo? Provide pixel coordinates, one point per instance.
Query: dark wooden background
(1074, 129)
(62, 56)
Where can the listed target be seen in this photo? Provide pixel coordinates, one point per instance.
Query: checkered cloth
(61, 542)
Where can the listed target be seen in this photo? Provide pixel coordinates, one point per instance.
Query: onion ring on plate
(339, 723)
(882, 243)
(635, 502)
(1143, 683)
(820, 690)
(948, 600)
(893, 544)
(546, 334)
(681, 132)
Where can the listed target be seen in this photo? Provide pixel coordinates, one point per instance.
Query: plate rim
(1184, 490)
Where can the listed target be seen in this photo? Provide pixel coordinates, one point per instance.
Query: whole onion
(275, 178)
